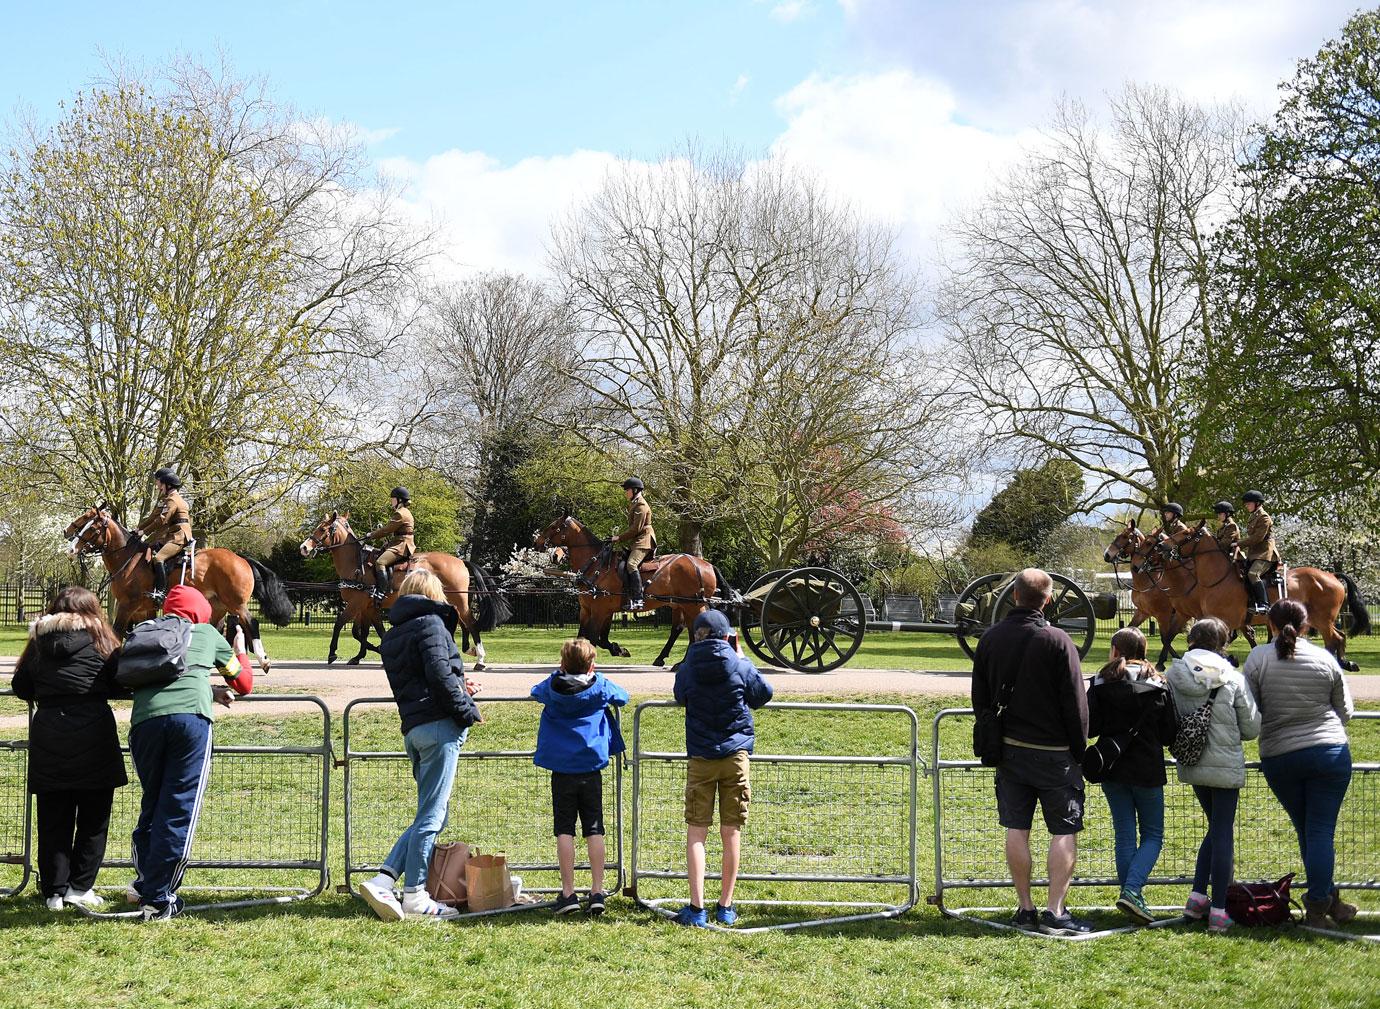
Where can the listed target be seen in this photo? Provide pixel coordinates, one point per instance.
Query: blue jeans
(1132, 804)
(1310, 784)
(434, 748)
(1217, 852)
(172, 756)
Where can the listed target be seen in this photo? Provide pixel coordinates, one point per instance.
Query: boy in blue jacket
(574, 741)
(719, 689)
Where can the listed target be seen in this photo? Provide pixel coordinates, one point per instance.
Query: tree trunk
(691, 538)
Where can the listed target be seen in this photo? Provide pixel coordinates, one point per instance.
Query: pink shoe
(1197, 906)
(1219, 921)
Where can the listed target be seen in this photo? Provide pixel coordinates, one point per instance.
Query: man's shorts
(728, 776)
(1049, 776)
(581, 794)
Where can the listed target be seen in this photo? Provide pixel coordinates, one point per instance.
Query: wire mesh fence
(15, 814)
(833, 829)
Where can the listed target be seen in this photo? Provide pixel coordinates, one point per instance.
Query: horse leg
(331, 656)
(676, 627)
(243, 619)
(479, 652)
(359, 630)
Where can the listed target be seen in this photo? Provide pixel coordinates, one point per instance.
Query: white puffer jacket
(1304, 700)
(1234, 718)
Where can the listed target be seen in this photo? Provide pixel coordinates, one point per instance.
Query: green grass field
(332, 952)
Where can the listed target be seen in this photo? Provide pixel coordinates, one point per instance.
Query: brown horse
(225, 578)
(679, 581)
(1204, 581)
(365, 613)
(1133, 547)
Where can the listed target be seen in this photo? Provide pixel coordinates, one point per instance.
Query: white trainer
(54, 903)
(88, 899)
(383, 900)
(418, 904)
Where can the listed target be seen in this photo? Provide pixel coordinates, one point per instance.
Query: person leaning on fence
(170, 742)
(427, 677)
(1201, 675)
(1129, 701)
(67, 669)
(575, 739)
(719, 688)
(1044, 731)
(1304, 706)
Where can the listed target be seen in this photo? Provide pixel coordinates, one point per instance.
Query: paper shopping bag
(445, 878)
(489, 885)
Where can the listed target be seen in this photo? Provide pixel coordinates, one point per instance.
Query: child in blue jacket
(576, 737)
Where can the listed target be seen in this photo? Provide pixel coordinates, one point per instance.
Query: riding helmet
(1253, 495)
(1224, 506)
(1174, 507)
(166, 475)
(633, 483)
(401, 494)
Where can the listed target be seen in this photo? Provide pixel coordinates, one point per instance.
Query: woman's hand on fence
(472, 687)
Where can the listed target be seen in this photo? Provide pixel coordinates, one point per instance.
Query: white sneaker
(383, 900)
(418, 904)
(88, 899)
(53, 903)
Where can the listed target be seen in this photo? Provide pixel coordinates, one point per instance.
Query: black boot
(160, 580)
(1259, 603)
(634, 598)
(381, 585)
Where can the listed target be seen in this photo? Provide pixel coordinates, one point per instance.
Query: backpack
(1191, 738)
(155, 653)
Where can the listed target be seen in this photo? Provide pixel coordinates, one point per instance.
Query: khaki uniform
(639, 536)
(1171, 529)
(168, 527)
(1229, 538)
(1259, 545)
(401, 546)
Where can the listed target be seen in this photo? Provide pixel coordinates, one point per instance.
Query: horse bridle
(83, 547)
(1189, 561)
(317, 546)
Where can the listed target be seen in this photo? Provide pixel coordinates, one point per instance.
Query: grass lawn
(332, 952)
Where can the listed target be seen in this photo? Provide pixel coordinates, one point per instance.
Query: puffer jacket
(1234, 718)
(1304, 700)
(576, 734)
(425, 671)
(73, 744)
(719, 689)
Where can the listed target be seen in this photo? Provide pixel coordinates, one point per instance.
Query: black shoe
(596, 903)
(567, 905)
(172, 909)
(1029, 920)
(1065, 924)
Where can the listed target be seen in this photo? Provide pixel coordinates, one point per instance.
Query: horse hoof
(1350, 667)
(330, 660)
(479, 667)
(660, 663)
(353, 662)
(625, 653)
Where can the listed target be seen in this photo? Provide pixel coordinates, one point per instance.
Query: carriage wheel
(750, 615)
(1070, 610)
(970, 628)
(812, 620)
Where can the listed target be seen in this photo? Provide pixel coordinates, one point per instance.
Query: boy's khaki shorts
(729, 777)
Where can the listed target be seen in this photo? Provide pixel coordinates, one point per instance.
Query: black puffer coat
(72, 740)
(1142, 705)
(425, 671)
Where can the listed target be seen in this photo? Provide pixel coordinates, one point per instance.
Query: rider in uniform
(167, 528)
(1228, 532)
(1171, 521)
(1259, 546)
(640, 539)
(400, 526)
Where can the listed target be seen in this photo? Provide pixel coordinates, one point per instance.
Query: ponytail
(1288, 618)
(1130, 647)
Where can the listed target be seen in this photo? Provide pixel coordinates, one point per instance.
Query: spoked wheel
(812, 620)
(1070, 610)
(971, 616)
(750, 615)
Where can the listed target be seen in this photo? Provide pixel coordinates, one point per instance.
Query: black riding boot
(381, 585)
(634, 599)
(160, 579)
(1261, 603)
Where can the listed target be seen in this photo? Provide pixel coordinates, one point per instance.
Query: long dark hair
(1129, 643)
(1287, 617)
(86, 605)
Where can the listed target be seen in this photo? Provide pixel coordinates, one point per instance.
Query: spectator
(1304, 707)
(1045, 730)
(719, 689)
(427, 677)
(1128, 700)
(68, 669)
(1220, 774)
(170, 741)
(574, 741)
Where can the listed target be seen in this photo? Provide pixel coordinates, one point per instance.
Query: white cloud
(787, 11)
(739, 86)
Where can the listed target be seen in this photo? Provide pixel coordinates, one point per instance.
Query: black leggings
(72, 826)
(1216, 853)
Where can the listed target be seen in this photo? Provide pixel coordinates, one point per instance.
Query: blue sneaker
(725, 915)
(692, 917)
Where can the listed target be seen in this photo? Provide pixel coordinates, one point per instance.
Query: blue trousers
(1217, 853)
(434, 748)
(172, 757)
(1310, 784)
(1135, 806)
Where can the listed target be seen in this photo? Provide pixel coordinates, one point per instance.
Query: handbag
(1262, 903)
(1191, 738)
(988, 745)
(1101, 756)
(445, 876)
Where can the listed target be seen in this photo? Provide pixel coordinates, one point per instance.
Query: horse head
(89, 532)
(1123, 548)
(557, 534)
(331, 533)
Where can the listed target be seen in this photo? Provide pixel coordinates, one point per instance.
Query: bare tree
(1078, 311)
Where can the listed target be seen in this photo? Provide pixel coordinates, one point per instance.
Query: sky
(499, 117)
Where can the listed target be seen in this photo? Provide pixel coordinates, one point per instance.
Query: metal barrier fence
(844, 821)
(969, 842)
(16, 823)
(266, 811)
(501, 802)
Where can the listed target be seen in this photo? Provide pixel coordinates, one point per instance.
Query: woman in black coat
(68, 670)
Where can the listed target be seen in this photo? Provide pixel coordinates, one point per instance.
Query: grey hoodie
(1234, 718)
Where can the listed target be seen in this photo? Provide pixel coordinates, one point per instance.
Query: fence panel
(15, 812)
(969, 842)
(840, 824)
(501, 802)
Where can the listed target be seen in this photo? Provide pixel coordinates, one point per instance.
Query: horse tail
(493, 609)
(271, 593)
(723, 590)
(1360, 619)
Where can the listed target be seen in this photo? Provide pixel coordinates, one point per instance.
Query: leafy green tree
(1034, 503)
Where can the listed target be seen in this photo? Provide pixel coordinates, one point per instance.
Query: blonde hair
(421, 582)
(577, 655)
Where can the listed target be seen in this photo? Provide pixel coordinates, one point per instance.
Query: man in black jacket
(1044, 729)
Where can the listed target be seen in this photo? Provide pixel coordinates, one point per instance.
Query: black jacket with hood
(425, 671)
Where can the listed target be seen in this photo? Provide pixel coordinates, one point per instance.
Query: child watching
(718, 688)
(574, 741)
